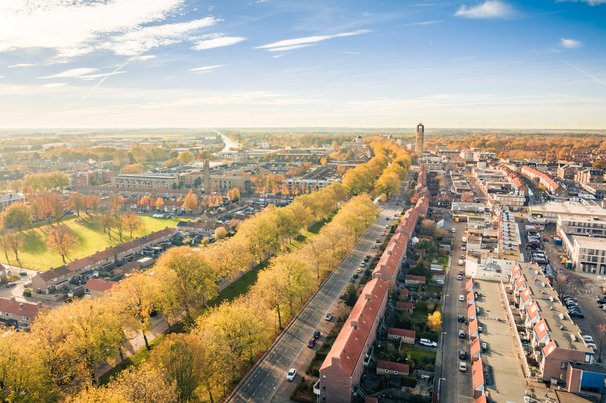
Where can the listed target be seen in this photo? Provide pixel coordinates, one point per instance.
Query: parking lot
(504, 370)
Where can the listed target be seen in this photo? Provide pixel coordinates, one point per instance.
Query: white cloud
(297, 43)
(217, 41)
(570, 43)
(1, 77)
(145, 58)
(206, 69)
(54, 85)
(590, 2)
(101, 75)
(71, 73)
(19, 65)
(487, 9)
(76, 27)
(134, 42)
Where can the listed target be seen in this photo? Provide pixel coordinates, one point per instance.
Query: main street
(264, 380)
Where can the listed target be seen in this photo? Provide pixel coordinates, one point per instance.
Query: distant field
(90, 235)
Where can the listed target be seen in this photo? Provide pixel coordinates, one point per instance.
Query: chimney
(354, 324)
(368, 296)
(21, 305)
(336, 360)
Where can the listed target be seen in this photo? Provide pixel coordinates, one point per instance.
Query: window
(564, 364)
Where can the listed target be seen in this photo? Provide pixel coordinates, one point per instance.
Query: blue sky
(279, 63)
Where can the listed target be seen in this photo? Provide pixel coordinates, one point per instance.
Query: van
(461, 262)
(453, 230)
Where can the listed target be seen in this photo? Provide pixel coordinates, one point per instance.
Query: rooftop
(569, 208)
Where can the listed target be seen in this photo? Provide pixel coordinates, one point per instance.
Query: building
(9, 198)
(224, 182)
(586, 379)
(555, 340)
(545, 180)
(342, 369)
(589, 175)
(548, 213)
(17, 312)
(420, 139)
(96, 287)
(588, 254)
(401, 335)
(147, 181)
(570, 224)
(568, 171)
(392, 368)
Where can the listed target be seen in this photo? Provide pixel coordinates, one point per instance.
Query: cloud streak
(71, 73)
(217, 41)
(206, 69)
(586, 74)
(297, 43)
(489, 9)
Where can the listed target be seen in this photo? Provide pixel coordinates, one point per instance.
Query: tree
(434, 321)
(186, 157)
(44, 181)
(17, 215)
(92, 203)
(136, 297)
(135, 168)
(190, 203)
(61, 241)
(233, 194)
(159, 203)
(187, 278)
(5, 245)
(14, 240)
(351, 295)
(132, 222)
(185, 362)
(220, 233)
(601, 329)
(77, 202)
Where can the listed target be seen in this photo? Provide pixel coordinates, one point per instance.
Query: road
(230, 145)
(269, 374)
(455, 386)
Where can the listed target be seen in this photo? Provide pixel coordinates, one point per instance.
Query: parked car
(367, 258)
(484, 346)
(311, 343)
(292, 373)
(461, 298)
(362, 264)
(317, 334)
(459, 277)
(328, 317)
(460, 262)
(587, 338)
(428, 343)
(463, 366)
(23, 273)
(462, 334)
(460, 318)
(592, 346)
(462, 355)
(355, 276)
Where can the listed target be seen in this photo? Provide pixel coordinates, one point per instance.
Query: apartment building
(9, 198)
(570, 224)
(548, 213)
(342, 369)
(588, 254)
(147, 181)
(555, 339)
(545, 180)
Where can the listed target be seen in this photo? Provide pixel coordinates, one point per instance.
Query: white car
(592, 346)
(463, 366)
(292, 373)
(588, 339)
(461, 298)
(428, 343)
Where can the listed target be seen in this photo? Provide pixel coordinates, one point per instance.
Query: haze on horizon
(332, 63)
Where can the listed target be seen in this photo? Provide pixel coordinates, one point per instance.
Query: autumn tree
(132, 222)
(44, 181)
(186, 157)
(77, 202)
(48, 205)
(187, 279)
(434, 321)
(14, 241)
(61, 241)
(135, 168)
(136, 297)
(190, 203)
(220, 233)
(17, 215)
(159, 203)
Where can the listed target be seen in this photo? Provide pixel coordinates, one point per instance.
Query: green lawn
(88, 231)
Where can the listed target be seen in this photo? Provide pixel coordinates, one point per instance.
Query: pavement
(266, 382)
(455, 386)
(17, 290)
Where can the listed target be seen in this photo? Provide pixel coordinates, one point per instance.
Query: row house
(22, 313)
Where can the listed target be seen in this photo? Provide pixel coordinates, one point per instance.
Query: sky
(537, 64)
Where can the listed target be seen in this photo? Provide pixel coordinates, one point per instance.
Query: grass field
(90, 235)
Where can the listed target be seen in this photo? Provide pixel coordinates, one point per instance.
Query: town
(467, 274)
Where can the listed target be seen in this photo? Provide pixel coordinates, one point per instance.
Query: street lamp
(439, 385)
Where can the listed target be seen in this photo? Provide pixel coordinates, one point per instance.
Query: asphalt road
(264, 380)
(455, 386)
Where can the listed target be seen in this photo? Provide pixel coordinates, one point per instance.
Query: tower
(207, 184)
(420, 139)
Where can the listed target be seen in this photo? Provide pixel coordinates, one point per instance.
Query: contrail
(105, 78)
(580, 70)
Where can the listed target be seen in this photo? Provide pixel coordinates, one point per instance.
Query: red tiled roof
(540, 329)
(532, 310)
(470, 298)
(414, 277)
(477, 374)
(516, 270)
(352, 339)
(393, 366)
(404, 292)
(19, 308)
(98, 284)
(411, 334)
(471, 311)
(469, 284)
(473, 327)
(526, 295)
(549, 348)
(404, 305)
(475, 346)
(520, 282)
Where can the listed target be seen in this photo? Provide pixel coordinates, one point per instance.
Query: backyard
(89, 233)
